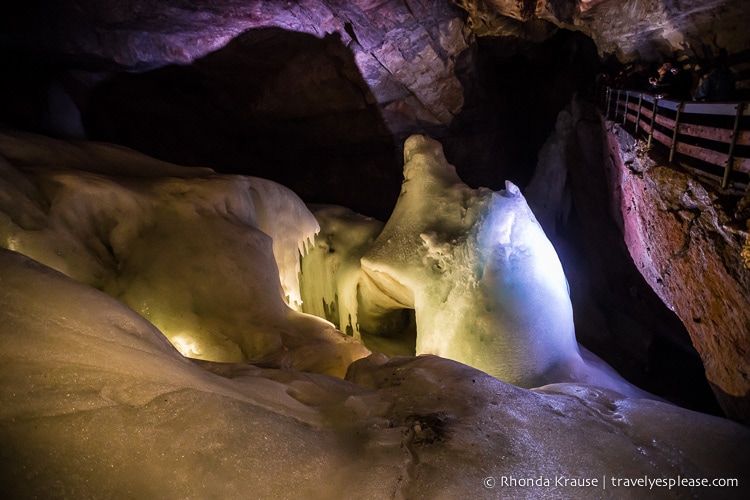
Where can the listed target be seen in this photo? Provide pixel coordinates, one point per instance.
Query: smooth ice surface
(96, 404)
(208, 259)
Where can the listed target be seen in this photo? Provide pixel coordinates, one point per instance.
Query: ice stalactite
(331, 271)
(291, 226)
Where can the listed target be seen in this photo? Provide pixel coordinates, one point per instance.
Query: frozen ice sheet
(97, 404)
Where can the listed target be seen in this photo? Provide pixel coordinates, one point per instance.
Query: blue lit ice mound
(484, 281)
(524, 293)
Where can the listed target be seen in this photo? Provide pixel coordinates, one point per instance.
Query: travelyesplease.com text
(605, 482)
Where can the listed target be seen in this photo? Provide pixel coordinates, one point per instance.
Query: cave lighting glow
(142, 239)
(185, 345)
(485, 283)
(97, 402)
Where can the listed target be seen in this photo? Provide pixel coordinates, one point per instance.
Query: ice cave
(370, 249)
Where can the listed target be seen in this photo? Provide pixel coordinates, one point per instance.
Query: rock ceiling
(405, 50)
(383, 68)
(630, 29)
(141, 33)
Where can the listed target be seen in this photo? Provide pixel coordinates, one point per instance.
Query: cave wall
(411, 55)
(617, 314)
(313, 94)
(404, 50)
(630, 29)
(679, 234)
(487, 78)
(281, 105)
(653, 29)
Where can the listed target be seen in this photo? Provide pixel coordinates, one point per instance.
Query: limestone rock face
(678, 235)
(649, 28)
(405, 50)
(631, 29)
(617, 314)
(314, 95)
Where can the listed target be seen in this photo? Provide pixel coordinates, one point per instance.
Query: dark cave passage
(272, 103)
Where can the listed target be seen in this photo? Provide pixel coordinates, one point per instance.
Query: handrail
(687, 128)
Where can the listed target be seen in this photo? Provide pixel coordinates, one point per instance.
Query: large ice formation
(121, 250)
(484, 282)
(144, 238)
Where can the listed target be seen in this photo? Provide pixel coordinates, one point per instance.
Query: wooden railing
(716, 134)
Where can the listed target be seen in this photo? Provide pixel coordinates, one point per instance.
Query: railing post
(625, 109)
(674, 133)
(607, 101)
(638, 114)
(615, 97)
(604, 97)
(653, 122)
(617, 105)
(730, 156)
